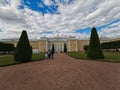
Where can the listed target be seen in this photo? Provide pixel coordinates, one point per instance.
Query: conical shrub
(95, 50)
(65, 48)
(23, 51)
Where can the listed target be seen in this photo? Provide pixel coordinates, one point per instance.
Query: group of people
(49, 54)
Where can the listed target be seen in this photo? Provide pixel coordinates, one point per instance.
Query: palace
(44, 44)
(73, 44)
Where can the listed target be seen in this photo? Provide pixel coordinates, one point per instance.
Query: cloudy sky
(63, 17)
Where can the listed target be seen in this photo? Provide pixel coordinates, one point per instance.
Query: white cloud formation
(112, 31)
(77, 15)
(9, 11)
(47, 2)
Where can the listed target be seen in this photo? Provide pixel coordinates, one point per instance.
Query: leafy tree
(23, 51)
(6, 48)
(95, 50)
(111, 45)
(10, 47)
(65, 48)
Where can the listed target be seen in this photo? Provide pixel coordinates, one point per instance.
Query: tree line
(6, 48)
(111, 46)
(107, 46)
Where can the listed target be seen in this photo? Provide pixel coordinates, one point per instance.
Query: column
(81, 46)
(62, 46)
(39, 46)
(15, 44)
(59, 46)
(46, 45)
(69, 47)
(76, 46)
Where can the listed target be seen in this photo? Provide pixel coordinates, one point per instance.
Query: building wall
(59, 45)
(34, 44)
(81, 44)
(72, 44)
(43, 46)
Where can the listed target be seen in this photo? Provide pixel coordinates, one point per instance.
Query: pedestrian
(52, 54)
(49, 54)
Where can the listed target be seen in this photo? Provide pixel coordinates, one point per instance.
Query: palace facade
(44, 44)
(73, 44)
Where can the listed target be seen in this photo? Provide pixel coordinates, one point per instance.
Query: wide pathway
(62, 73)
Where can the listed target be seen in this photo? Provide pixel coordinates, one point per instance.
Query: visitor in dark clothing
(52, 54)
(49, 54)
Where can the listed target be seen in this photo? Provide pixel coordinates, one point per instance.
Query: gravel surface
(61, 73)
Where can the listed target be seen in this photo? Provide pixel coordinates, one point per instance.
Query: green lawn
(109, 56)
(77, 55)
(112, 57)
(40, 56)
(6, 60)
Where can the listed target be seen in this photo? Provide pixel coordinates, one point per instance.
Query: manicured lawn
(109, 56)
(40, 56)
(112, 57)
(78, 55)
(8, 59)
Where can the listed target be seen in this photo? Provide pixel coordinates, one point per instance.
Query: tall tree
(95, 50)
(65, 48)
(53, 48)
(52, 51)
(23, 51)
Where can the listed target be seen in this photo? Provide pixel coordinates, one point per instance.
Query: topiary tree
(53, 49)
(65, 48)
(95, 50)
(23, 51)
(86, 48)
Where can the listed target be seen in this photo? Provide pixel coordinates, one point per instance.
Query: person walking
(49, 54)
(52, 54)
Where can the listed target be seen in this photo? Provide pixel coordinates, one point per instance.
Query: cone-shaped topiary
(53, 49)
(95, 50)
(65, 48)
(23, 51)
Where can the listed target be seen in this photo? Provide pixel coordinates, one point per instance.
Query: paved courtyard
(62, 73)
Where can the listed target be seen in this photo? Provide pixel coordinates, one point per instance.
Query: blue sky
(35, 6)
(66, 17)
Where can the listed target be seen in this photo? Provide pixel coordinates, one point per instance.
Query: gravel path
(62, 73)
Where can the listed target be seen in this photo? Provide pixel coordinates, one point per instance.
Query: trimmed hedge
(65, 48)
(23, 52)
(95, 50)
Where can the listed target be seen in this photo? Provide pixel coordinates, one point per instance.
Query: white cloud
(48, 2)
(9, 11)
(79, 14)
(112, 31)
